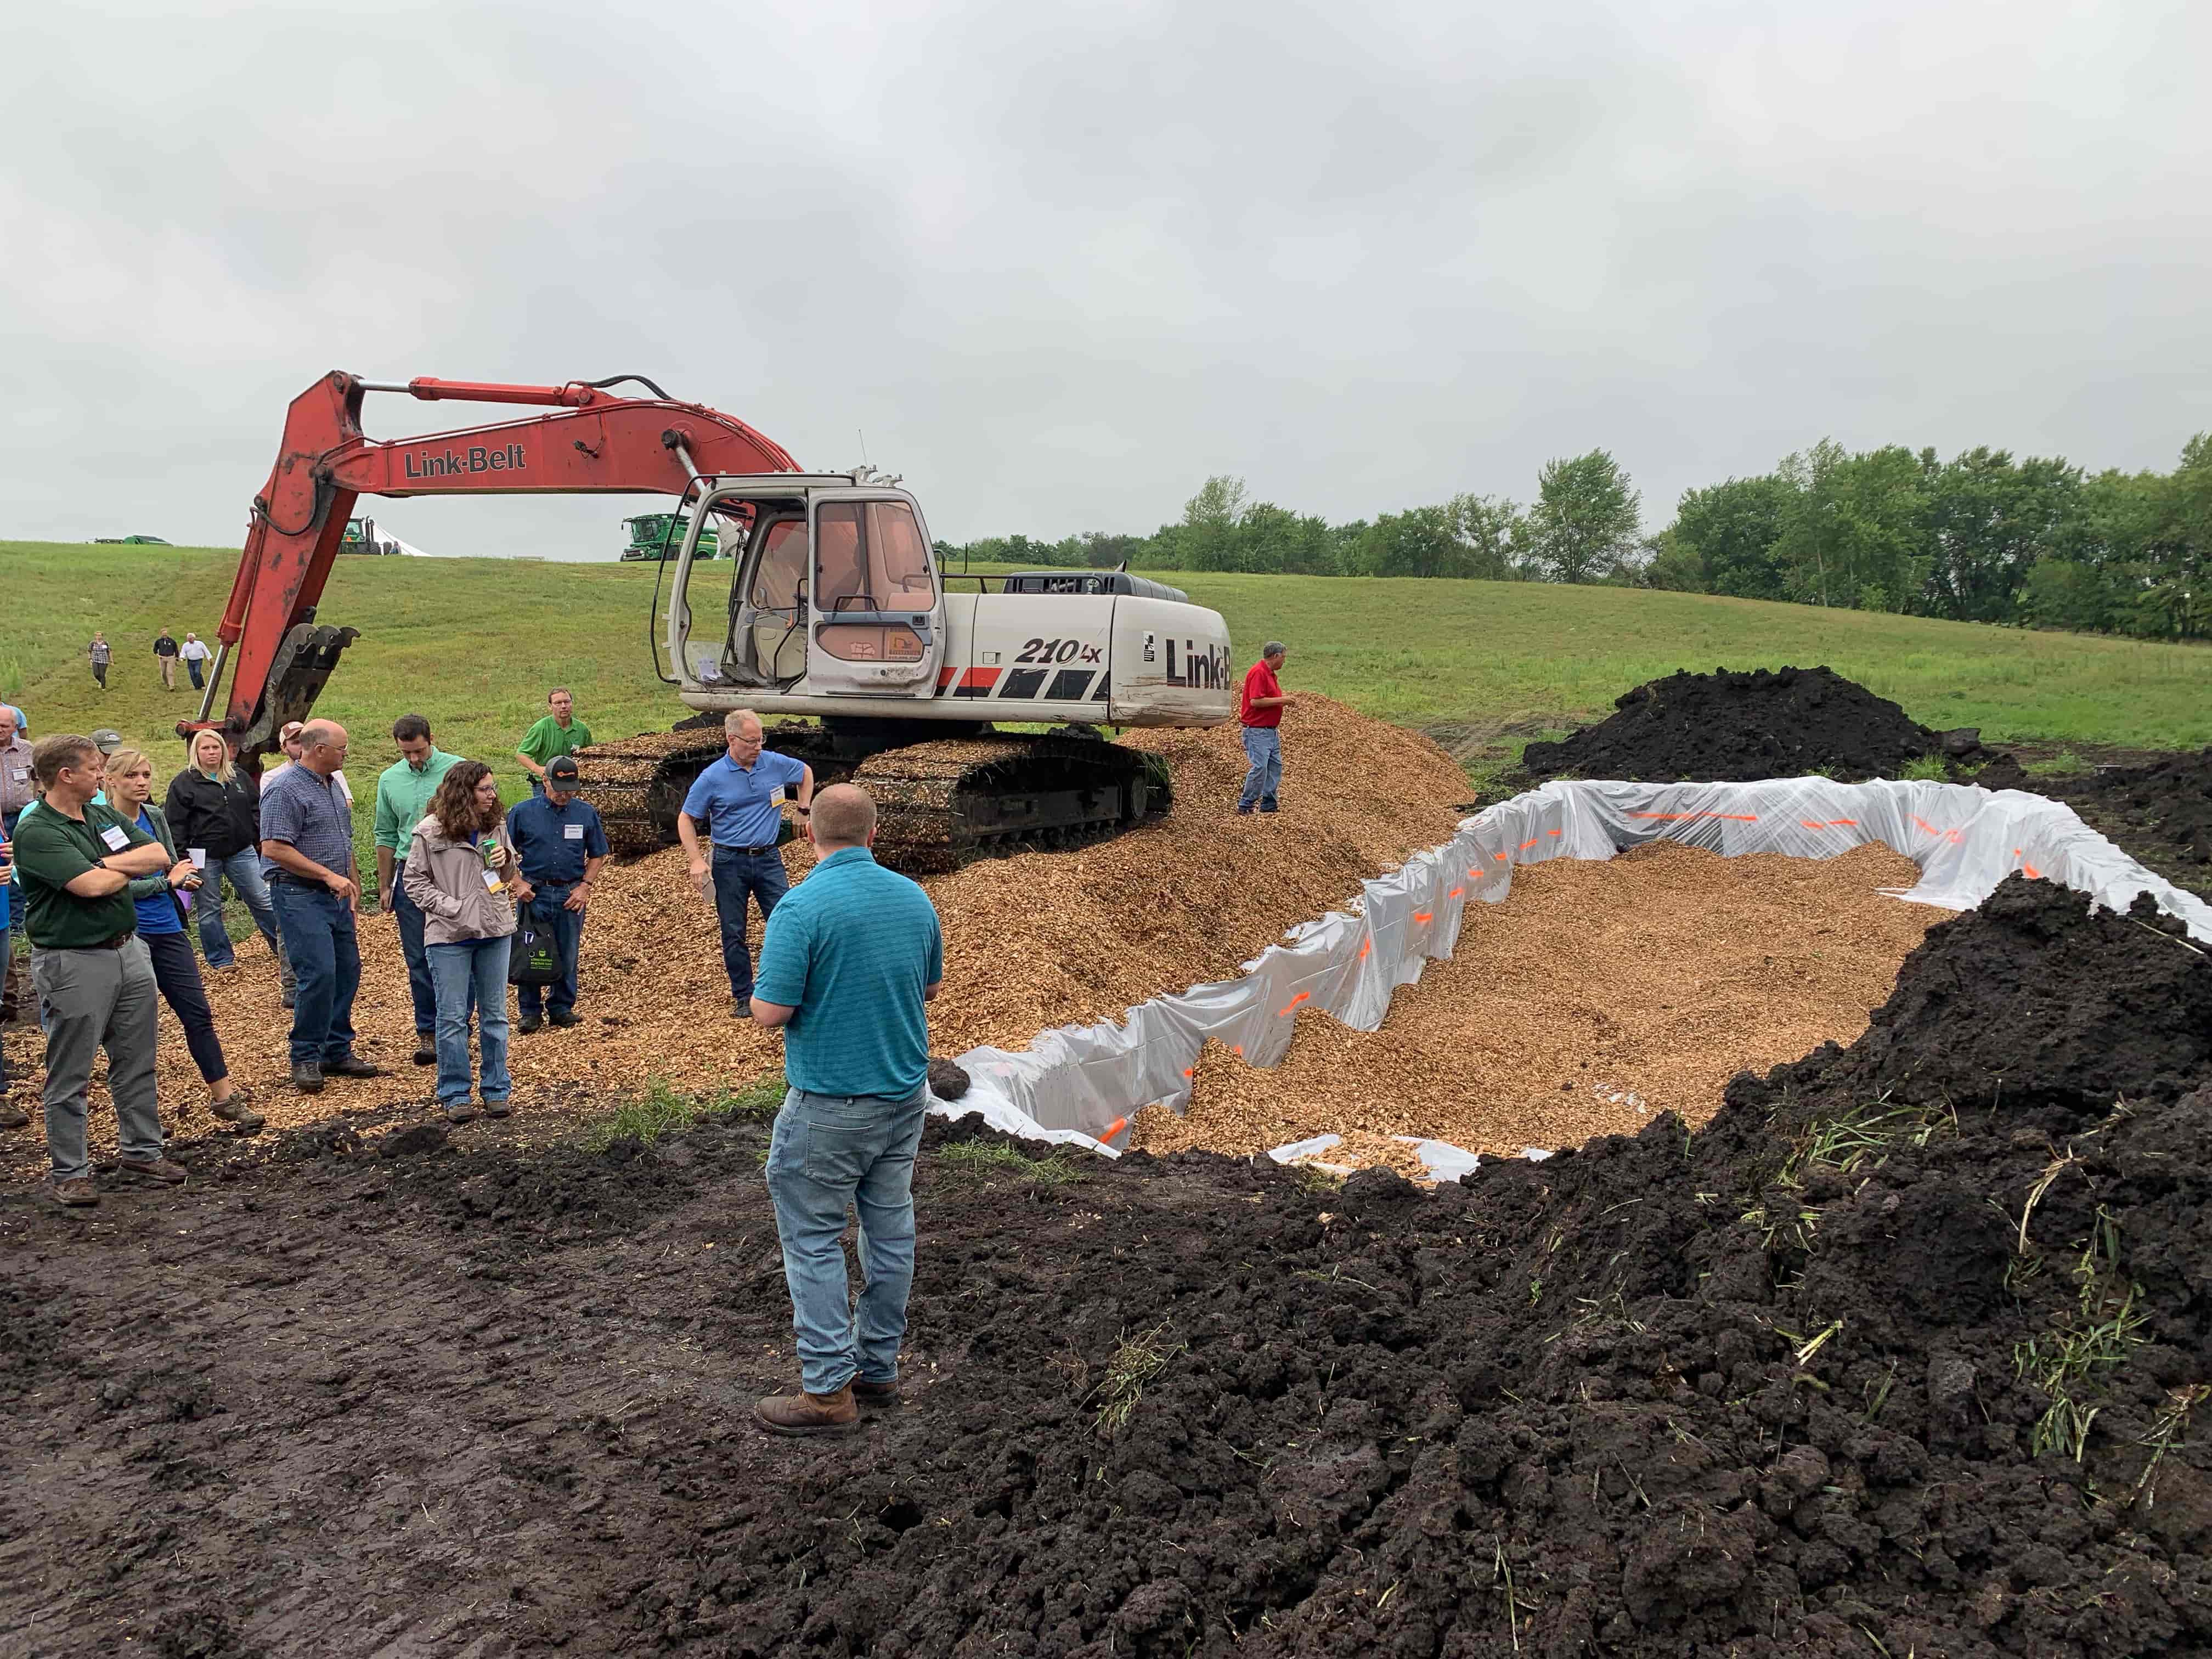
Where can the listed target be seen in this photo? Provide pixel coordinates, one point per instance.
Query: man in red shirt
(1262, 713)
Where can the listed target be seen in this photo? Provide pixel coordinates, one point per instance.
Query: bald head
(322, 746)
(7, 723)
(843, 816)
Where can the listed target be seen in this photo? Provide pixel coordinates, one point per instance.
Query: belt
(115, 944)
(746, 852)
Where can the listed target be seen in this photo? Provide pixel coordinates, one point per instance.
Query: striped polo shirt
(852, 948)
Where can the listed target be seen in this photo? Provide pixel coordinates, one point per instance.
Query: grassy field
(474, 644)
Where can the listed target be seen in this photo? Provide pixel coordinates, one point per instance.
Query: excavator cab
(835, 594)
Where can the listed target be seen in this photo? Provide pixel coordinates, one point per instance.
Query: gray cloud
(1059, 264)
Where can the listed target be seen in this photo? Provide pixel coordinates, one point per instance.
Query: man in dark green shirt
(558, 733)
(74, 863)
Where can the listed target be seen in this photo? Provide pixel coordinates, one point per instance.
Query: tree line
(1983, 537)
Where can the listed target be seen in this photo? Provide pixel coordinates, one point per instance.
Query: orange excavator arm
(593, 442)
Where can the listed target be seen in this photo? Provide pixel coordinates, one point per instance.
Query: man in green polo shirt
(73, 864)
(403, 790)
(558, 733)
(847, 961)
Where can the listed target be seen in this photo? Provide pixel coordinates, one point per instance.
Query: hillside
(474, 643)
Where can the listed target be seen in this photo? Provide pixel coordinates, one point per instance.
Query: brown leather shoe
(12, 1116)
(237, 1112)
(75, 1195)
(876, 1396)
(809, 1413)
(154, 1168)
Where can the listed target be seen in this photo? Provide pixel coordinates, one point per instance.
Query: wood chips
(1033, 941)
(1593, 998)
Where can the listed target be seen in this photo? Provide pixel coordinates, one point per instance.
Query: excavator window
(869, 558)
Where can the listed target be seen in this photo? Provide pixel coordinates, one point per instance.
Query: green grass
(660, 1109)
(475, 643)
(983, 1159)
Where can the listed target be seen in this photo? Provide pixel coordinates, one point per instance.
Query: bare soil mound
(1867, 1365)
(2171, 801)
(1727, 726)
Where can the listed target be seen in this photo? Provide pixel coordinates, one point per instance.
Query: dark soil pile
(1734, 727)
(2172, 801)
(1895, 1357)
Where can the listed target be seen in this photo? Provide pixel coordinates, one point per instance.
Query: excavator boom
(592, 442)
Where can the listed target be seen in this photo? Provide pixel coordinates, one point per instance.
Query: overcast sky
(1060, 262)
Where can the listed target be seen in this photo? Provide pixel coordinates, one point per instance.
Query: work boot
(236, 1113)
(564, 1018)
(1267, 805)
(496, 1108)
(461, 1112)
(74, 1195)
(154, 1168)
(741, 1007)
(12, 1116)
(426, 1050)
(526, 1023)
(1243, 810)
(289, 999)
(876, 1396)
(306, 1077)
(809, 1413)
(352, 1066)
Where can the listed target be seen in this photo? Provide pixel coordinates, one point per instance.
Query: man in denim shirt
(847, 961)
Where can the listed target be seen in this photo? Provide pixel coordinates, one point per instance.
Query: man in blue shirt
(560, 844)
(738, 799)
(306, 859)
(846, 962)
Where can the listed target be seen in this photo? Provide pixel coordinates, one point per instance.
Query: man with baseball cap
(561, 843)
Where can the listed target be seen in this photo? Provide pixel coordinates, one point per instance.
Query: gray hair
(734, 720)
(1272, 648)
(318, 734)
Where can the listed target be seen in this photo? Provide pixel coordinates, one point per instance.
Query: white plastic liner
(1081, 1085)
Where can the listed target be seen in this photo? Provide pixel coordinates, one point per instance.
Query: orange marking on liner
(2032, 873)
(1365, 946)
(1526, 845)
(1114, 1128)
(1551, 832)
(1812, 823)
(1851, 824)
(1238, 1049)
(1303, 996)
(1455, 892)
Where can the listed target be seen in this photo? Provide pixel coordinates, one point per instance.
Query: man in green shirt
(402, 800)
(75, 861)
(558, 733)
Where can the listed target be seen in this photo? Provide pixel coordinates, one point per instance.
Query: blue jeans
(827, 1151)
(1263, 747)
(550, 912)
(244, 870)
(736, 876)
(471, 970)
(408, 915)
(326, 955)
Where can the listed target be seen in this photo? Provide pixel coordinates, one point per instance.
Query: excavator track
(939, 804)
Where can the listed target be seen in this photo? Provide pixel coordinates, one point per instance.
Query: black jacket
(224, 818)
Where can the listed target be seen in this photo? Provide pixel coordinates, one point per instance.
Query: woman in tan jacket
(462, 874)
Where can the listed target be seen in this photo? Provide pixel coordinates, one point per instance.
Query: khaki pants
(168, 673)
(97, 999)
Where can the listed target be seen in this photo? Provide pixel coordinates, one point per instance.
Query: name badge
(775, 796)
(116, 840)
(21, 774)
(572, 832)
(491, 881)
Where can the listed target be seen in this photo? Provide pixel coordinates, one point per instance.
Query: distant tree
(1727, 531)
(1989, 520)
(1855, 530)
(1493, 537)
(1585, 519)
(1672, 563)
(1210, 519)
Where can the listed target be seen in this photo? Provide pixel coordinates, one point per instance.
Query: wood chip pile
(1033, 941)
(1595, 997)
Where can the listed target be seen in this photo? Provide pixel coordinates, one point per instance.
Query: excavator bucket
(303, 663)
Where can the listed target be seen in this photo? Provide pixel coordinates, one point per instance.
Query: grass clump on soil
(981, 1160)
(662, 1108)
(2070, 1362)
(1139, 1361)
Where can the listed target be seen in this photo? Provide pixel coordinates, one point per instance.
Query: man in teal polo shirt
(847, 961)
(403, 790)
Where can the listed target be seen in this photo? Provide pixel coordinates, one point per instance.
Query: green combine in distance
(657, 536)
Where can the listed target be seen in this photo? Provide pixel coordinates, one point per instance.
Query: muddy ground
(1906, 1352)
